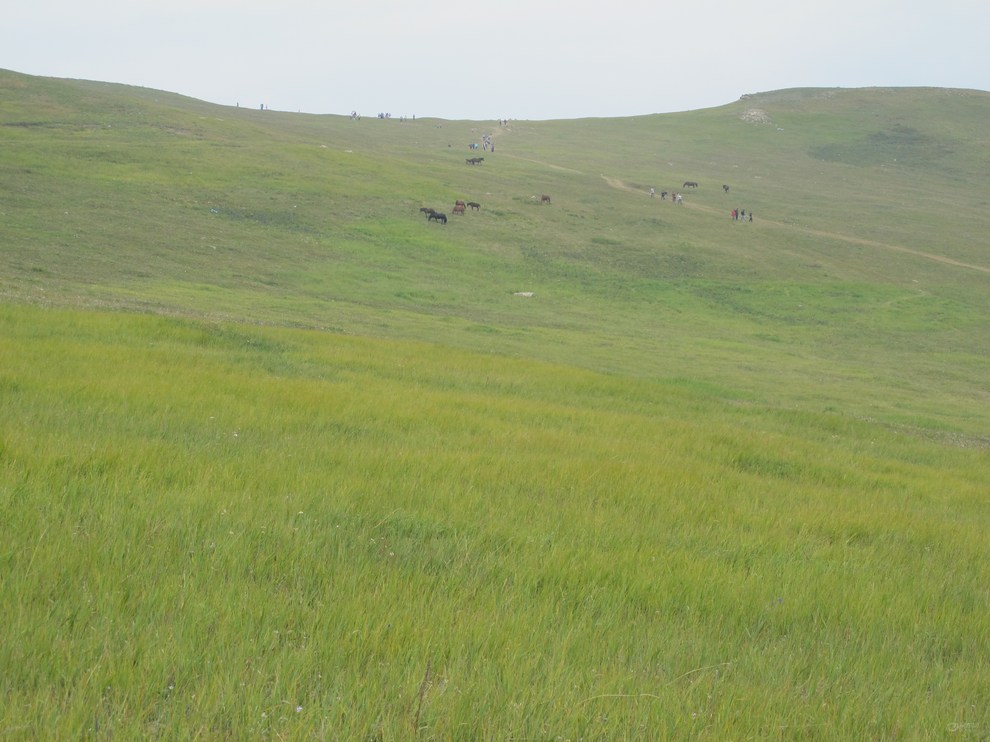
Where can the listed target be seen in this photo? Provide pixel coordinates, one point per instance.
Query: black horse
(436, 216)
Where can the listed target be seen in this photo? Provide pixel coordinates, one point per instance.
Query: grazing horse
(544, 199)
(474, 205)
(474, 160)
(459, 209)
(436, 216)
(427, 210)
(689, 184)
(725, 188)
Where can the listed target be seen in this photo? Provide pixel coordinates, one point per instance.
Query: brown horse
(544, 199)
(459, 209)
(427, 210)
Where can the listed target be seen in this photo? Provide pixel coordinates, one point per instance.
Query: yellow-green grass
(280, 458)
(216, 531)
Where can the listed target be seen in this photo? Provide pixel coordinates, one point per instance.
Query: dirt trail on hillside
(544, 164)
(620, 185)
(507, 131)
(887, 246)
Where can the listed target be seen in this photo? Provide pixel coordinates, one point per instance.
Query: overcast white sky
(525, 59)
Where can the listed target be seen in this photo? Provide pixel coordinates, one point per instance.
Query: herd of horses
(432, 215)
(461, 206)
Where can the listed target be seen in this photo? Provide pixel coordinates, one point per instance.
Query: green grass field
(281, 459)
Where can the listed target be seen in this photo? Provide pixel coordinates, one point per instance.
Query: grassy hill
(867, 253)
(283, 458)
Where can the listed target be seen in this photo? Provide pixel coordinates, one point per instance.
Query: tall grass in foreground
(225, 532)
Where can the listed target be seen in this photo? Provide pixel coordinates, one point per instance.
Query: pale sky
(520, 59)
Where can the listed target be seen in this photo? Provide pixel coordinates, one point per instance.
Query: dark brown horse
(689, 184)
(544, 199)
(725, 188)
(427, 210)
(474, 205)
(436, 216)
(474, 160)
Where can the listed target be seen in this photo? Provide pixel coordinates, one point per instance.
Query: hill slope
(864, 272)
(281, 458)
